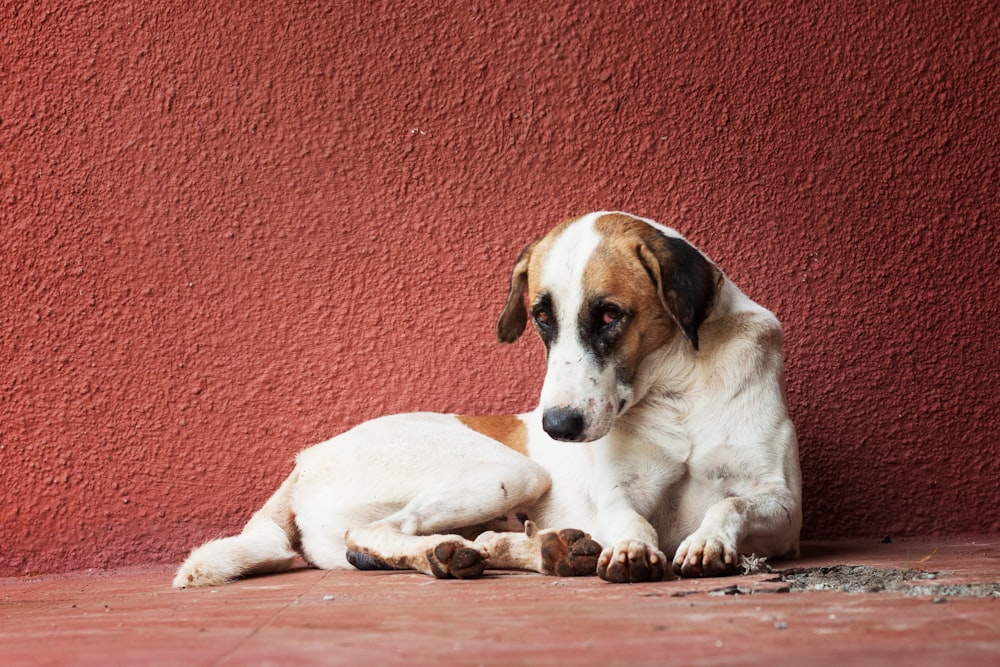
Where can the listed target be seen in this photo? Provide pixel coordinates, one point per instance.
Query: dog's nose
(564, 424)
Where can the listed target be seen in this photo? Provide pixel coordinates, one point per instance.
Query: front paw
(631, 562)
(705, 555)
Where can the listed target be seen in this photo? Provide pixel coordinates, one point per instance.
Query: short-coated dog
(662, 429)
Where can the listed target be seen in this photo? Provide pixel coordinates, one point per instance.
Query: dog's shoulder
(740, 334)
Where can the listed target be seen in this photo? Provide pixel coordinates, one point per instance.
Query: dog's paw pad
(569, 553)
(631, 562)
(454, 559)
(363, 561)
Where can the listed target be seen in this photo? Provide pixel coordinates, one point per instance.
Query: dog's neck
(665, 375)
(671, 372)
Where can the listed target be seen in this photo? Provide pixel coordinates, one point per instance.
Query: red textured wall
(229, 233)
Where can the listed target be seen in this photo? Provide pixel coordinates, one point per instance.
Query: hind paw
(568, 553)
(455, 559)
(364, 561)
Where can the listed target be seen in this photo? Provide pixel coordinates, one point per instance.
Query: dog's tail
(268, 543)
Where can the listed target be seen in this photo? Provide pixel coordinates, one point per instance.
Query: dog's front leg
(634, 556)
(767, 523)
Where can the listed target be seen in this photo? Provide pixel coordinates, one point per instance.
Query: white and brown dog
(662, 428)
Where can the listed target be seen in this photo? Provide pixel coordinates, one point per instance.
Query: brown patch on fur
(667, 282)
(616, 272)
(686, 283)
(508, 430)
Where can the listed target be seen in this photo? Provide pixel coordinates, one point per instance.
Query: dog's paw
(458, 559)
(705, 555)
(568, 553)
(364, 561)
(631, 562)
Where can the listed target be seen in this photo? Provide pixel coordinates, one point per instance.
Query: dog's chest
(643, 469)
(647, 482)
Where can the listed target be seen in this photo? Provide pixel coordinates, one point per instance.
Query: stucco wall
(229, 233)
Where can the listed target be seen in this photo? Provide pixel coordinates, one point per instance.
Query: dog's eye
(609, 315)
(542, 317)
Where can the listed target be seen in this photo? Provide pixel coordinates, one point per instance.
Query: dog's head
(604, 291)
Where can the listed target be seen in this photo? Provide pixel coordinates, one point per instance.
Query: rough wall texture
(230, 233)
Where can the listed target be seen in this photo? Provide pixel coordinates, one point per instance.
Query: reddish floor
(386, 618)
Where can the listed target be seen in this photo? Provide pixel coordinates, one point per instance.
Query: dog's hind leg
(423, 535)
(383, 546)
(563, 553)
(267, 544)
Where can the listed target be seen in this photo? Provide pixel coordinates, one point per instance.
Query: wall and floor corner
(230, 233)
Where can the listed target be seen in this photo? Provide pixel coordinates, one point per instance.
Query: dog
(662, 428)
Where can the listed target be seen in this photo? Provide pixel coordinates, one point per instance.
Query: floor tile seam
(263, 624)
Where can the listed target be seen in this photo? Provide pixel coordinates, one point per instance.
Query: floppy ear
(514, 317)
(688, 284)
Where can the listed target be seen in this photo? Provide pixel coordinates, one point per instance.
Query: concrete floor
(305, 617)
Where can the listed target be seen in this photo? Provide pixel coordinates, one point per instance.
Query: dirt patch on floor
(867, 579)
(854, 579)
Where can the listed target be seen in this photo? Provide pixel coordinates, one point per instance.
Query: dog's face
(603, 292)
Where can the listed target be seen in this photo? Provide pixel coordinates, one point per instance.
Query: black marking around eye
(544, 317)
(597, 335)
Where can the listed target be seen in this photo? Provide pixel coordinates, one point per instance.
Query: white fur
(570, 381)
(702, 463)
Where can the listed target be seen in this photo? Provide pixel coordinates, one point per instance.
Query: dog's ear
(688, 284)
(514, 316)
